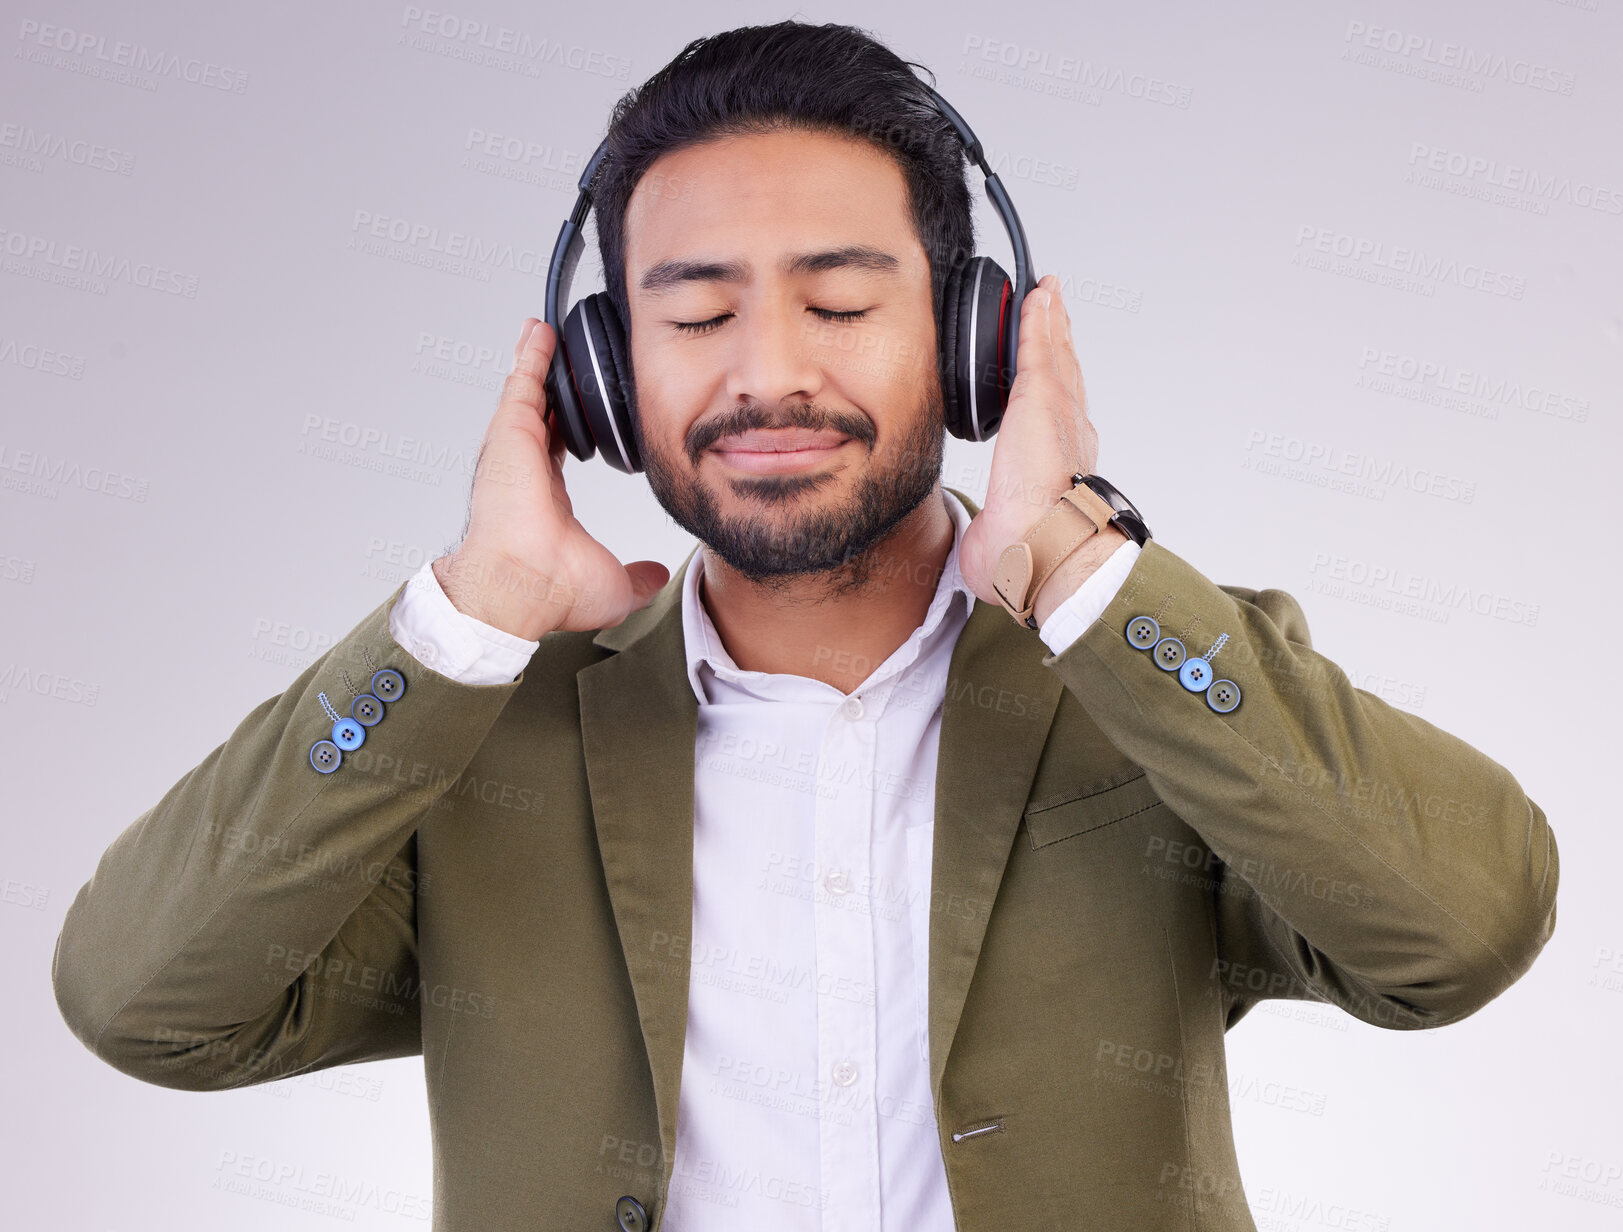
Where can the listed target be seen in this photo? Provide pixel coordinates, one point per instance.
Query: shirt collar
(703, 644)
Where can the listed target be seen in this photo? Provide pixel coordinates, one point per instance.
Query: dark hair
(757, 79)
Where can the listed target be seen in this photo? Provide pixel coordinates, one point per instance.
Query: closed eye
(714, 323)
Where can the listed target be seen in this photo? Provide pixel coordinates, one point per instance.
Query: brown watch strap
(1078, 515)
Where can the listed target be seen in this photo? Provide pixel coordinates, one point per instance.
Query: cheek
(897, 386)
(669, 398)
(675, 370)
(900, 362)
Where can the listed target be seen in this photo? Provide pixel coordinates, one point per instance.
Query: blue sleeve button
(1142, 632)
(348, 735)
(388, 685)
(1169, 653)
(1195, 674)
(325, 757)
(366, 710)
(1223, 696)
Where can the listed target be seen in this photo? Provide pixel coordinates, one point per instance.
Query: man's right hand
(526, 565)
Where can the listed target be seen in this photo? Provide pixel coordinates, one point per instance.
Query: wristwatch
(1091, 504)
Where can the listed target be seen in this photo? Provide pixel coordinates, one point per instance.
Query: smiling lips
(770, 450)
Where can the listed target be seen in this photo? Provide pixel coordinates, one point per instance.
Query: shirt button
(852, 709)
(835, 881)
(844, 1073)
(423, 650)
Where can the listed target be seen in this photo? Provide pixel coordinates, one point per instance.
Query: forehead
(756, 195)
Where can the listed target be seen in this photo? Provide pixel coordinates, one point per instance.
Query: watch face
(1127, 518)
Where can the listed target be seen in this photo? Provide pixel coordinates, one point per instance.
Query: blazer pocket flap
(1068, 818)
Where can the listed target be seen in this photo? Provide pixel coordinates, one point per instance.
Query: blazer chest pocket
(1050, 822)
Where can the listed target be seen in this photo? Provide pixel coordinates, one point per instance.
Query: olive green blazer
(500, 880)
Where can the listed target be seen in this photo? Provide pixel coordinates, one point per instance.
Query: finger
(524, 337)
(551, 414)
(555, 438)
(535, 349)
(523, 396)
(1066, 362)
(647, 578)
(1035, 352)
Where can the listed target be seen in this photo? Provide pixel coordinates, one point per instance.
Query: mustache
(808, 415)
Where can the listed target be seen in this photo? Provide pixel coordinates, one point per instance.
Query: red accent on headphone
(1002, 306)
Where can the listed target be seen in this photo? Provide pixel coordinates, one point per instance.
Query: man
(804, 886)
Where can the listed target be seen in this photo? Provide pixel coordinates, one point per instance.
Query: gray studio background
(1350, 326)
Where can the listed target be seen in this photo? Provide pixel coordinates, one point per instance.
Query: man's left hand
(1044, 438)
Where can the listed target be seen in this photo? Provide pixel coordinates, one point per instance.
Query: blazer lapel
(639, 722)
(986, 763)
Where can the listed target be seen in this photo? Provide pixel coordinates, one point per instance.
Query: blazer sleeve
(1360, 855)
(259, 920)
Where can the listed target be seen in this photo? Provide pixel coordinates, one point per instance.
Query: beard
(836, 542)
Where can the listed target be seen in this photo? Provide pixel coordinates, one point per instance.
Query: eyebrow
(667, 275)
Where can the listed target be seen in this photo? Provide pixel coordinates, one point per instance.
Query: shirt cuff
(428, 625)
(1070, 619)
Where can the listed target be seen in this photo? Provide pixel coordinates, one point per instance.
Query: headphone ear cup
(948, 351)
(621, 389)
(598, 381)
(563, 394)
(985, 311)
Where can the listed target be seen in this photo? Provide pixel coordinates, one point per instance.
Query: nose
(770, 360)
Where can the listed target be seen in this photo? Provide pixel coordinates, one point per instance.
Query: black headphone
(978, 332)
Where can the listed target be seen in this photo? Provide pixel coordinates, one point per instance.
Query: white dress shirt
(805, 1094)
